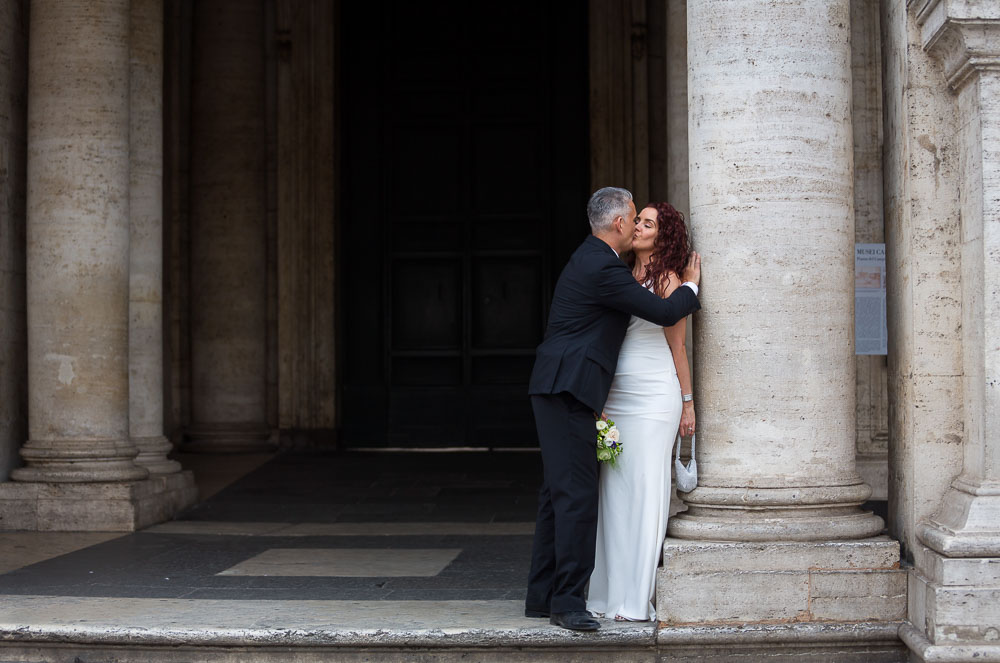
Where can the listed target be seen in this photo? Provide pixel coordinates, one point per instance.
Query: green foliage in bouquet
(609, 444)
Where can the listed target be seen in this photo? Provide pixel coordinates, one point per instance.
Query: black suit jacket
(594, 297)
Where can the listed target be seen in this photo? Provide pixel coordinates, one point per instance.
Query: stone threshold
(220, 622)
(300, 624)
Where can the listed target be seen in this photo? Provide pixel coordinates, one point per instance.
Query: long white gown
(645, 403)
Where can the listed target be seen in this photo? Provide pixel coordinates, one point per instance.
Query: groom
(594, 297)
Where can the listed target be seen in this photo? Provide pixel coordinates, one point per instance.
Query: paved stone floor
(316, 526)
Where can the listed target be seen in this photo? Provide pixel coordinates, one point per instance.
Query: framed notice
(870, 333)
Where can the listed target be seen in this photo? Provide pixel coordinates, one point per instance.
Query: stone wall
(13, 142)
(872, 404)
(924, 277)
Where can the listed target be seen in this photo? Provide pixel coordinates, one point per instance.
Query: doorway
(465, 181)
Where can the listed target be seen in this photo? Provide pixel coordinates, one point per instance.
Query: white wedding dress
(645, 404)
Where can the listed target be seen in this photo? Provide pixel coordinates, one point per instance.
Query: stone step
(134, 630)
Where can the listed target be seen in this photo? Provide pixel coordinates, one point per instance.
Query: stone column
(78, 244)
(13, 141)
(775, 517)
(306, 181)
(146, 232)
(79, 473)
(956, 583)
(228, 245)
(772, 211)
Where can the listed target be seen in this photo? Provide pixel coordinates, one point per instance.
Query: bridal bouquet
(608, 443)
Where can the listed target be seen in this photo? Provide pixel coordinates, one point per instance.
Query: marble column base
(79, 461)
(228, 438)
(95, 507)
(787, 513)
(968, 522)
(708, 582)
(954, 608)
(153, 455)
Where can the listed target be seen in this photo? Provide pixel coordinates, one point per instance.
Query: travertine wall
(306, 183)
(13, 142)
(677, 105)
(924, 277)
(872, 402)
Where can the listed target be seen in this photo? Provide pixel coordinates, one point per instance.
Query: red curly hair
(671, 247)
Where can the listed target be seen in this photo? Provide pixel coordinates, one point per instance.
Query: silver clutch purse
(687, 475)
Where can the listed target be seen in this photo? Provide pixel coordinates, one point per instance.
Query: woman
(646, 404)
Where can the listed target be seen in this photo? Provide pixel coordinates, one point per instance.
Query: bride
(646, 404)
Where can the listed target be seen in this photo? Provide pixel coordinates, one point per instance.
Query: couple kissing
(614, 344)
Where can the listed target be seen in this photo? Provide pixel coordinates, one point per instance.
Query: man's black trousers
(562, 557)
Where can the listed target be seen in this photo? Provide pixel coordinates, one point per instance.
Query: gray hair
(605, 206)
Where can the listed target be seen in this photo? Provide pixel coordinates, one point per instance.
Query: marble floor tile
(20, 549)
(346, 562)
(342, 529)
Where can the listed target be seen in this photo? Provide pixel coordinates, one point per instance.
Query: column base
(704, 582)
(954, 608)
(228, 438)
(968, 523)
(777, 513)
(95, 507)
(79, 461)
(153, 455)
(826, 642)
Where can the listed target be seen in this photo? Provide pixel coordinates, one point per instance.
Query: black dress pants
(562, 557)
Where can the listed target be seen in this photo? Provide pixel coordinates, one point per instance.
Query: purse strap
(677, 454)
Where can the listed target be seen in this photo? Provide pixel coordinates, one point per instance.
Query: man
(594, 297)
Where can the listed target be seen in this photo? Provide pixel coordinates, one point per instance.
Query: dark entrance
(465, 161)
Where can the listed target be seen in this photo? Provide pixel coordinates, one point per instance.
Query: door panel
(465, 129)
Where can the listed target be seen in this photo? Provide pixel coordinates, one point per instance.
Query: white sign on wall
(870, 333)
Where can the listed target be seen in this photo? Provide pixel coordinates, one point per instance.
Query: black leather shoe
(528, 612)
(575, 620)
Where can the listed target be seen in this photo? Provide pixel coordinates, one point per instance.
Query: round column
(228, 240)
(771, 171)
(146, 251)
(78, 244)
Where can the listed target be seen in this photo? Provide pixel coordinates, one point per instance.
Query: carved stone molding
(963, 33)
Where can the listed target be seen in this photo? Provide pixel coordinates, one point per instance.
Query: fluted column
(146, 232)
(771, 177)
(78, 243)
(228, 209)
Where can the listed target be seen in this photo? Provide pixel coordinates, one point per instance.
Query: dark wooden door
(465, 129)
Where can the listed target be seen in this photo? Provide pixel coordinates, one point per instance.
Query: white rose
(612, 434)
(601, 425)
